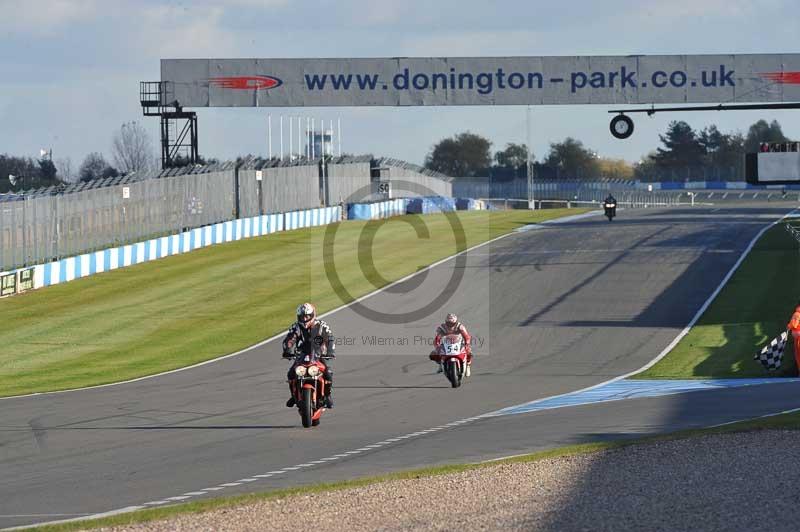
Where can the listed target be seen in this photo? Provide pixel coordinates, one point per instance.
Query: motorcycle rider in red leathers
(303, 335)
(451, 325)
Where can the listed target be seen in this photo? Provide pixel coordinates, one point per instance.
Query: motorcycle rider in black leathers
(304, 334)
(612, 200)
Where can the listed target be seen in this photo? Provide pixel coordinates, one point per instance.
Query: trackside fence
(49, 224)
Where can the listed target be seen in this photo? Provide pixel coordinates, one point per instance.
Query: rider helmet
(306, 313)
(451, 320)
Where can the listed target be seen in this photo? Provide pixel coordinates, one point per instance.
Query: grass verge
(185, 309)
(752, 308)
(790, 421)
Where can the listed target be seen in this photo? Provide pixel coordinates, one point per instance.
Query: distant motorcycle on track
(610, 209)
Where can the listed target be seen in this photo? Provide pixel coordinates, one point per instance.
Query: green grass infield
(751, 309)
(181, 310)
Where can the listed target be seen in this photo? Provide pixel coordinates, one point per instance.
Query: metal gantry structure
(621, 126)
(178, 127)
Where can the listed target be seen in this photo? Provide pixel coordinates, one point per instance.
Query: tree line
(707, 154)
(131, 149)
(684, 153)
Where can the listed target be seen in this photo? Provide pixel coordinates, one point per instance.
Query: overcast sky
(70, 69)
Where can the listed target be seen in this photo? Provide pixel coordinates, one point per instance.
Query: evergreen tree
(681, 148)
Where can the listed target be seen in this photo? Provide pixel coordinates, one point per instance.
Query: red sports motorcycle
(453, 356)
(309, 387)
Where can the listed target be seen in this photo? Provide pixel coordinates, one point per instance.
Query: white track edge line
(87, 518)
(790, 411)
(711, 298)
(675, 341)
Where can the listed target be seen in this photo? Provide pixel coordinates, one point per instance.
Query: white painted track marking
(112, 513)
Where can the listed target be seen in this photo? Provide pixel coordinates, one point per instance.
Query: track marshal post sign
(8, 284)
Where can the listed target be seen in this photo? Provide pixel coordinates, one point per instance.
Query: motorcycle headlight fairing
(313, 371)
(300, 371)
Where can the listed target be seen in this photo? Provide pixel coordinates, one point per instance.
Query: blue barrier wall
(429, 205)
(374, 211)
(71, 268)
(467, 204)
(311, 217)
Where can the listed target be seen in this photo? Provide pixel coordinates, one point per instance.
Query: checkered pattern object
(772, 354)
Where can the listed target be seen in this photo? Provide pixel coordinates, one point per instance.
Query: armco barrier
(374, 211)
(71, 268)
(740, 186)
(429, 205)
(710, 185)
(571, 189)
(673, 186)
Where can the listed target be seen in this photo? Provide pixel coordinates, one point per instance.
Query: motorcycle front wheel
(307, 407)
(453, 374)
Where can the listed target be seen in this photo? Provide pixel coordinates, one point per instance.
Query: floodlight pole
(324, 164)
(529, 164)
(24, 234)
(24, 226)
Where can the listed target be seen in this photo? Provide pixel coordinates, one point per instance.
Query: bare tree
(65, 170)
(131, 148)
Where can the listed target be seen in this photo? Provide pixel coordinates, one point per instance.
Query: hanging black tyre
(307, 407)
(621, 126)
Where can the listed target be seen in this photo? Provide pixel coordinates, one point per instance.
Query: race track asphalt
(553, 309)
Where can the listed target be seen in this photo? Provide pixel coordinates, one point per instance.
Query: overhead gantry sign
(537, 80)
